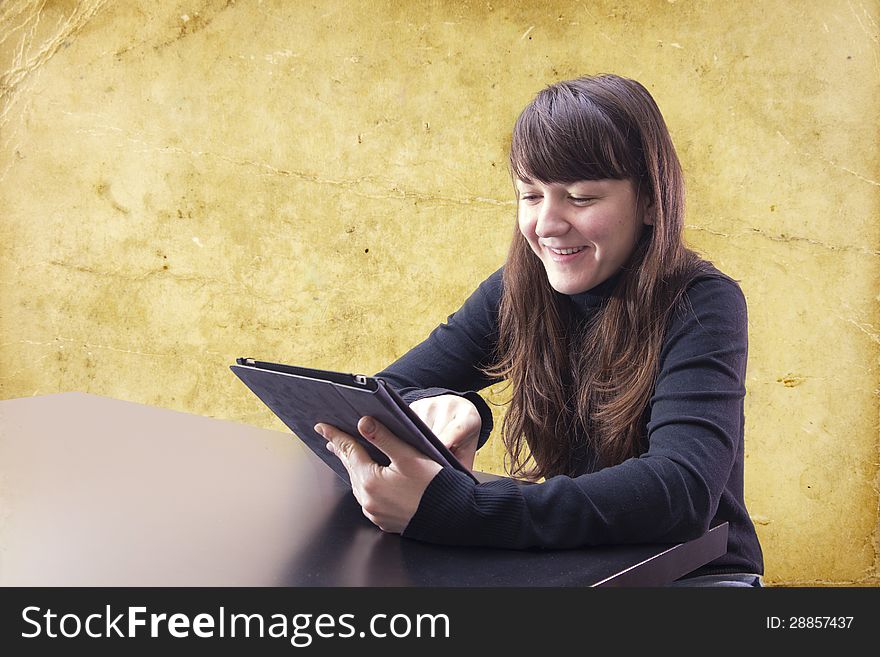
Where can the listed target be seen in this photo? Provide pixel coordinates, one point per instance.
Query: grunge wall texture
(185, 182)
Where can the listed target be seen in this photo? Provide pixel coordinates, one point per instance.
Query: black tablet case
(301, 397)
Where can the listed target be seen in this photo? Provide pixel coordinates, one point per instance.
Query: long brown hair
(587, 391)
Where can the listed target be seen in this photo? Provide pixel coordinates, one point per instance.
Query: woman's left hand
(389, 495)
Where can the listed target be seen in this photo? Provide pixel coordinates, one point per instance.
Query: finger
(455, 434)
(344, 446)
(461, 442)
(434, 415)
(425, 409)
(352, 474)
(389, 444)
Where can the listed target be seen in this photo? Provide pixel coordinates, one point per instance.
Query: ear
(648, 212)
(646, 206)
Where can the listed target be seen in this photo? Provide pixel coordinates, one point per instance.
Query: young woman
(625, 353)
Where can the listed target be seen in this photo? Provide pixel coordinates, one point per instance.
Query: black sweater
(690, 477)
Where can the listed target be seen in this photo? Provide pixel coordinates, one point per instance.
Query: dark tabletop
(101, 492)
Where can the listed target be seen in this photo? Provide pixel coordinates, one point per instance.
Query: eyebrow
(531, 183)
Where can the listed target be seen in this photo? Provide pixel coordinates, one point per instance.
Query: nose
(551, 220)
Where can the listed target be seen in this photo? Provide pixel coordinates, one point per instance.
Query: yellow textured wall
(321, 183)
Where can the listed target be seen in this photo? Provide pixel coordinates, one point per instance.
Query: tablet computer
(301, 397)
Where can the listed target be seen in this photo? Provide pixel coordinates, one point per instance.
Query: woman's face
(599, 219)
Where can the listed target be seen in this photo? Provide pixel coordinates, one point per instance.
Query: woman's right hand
(455, 421)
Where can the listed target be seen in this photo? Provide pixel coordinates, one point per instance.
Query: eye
(582, 200)
(529, 197)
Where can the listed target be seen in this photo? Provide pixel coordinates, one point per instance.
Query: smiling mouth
(570, 251)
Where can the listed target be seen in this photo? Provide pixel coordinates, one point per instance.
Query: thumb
(388, 443)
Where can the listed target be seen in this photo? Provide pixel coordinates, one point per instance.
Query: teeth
(567, 251)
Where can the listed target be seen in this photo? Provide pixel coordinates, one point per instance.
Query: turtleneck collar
(586, 302)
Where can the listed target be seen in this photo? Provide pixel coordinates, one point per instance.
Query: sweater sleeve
(448, 361)
(668, 494)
